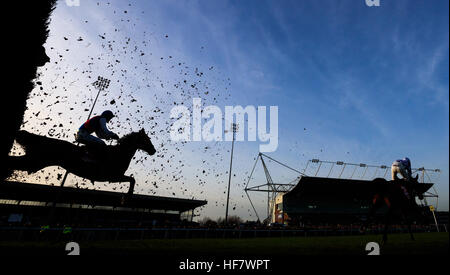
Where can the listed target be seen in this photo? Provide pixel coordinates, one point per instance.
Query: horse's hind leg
(24, 163)
(132, 183)
(409, 221)
(386, 225)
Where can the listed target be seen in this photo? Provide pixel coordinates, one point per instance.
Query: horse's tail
(378, 194)
(26, 139)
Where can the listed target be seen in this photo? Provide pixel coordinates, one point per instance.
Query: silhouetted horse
(42, 152)
(399, 197)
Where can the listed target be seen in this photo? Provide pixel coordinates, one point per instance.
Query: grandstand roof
(44, 193)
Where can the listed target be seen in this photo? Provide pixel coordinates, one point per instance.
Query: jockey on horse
(97, 125)
(402, 167)
(397, 195)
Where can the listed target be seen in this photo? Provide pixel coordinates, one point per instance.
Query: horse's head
(144, 143)
(138, 140)
(415, 180)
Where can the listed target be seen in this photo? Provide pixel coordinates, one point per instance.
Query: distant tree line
(232, 221)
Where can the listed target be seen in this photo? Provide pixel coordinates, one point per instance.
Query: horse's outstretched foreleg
(386, 225)
(408, 218)
(410, 231)
(132, 182)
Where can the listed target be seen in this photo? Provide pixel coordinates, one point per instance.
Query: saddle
(405, 187)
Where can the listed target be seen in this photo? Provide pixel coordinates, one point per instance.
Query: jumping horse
(41, 152)
(399, 197)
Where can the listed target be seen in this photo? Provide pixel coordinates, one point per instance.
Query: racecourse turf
(398, 244)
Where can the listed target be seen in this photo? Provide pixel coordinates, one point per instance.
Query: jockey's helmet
(407, 160)
(108, 115)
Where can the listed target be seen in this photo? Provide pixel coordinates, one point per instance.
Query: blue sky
(369, 84)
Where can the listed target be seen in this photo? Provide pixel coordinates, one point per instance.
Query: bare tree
(208, 222)
(232, 220)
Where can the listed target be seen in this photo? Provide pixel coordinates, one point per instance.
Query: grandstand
(329, 192)
(25, 204)
(329, 200)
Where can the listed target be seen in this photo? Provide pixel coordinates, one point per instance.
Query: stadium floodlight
(362, 165)
(383, 166)
(339, 163)
(437, 170)
(315, 160)
(234, 128)
(101, 84)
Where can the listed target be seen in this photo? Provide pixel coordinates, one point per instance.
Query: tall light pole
(101, 84)
(235, 128)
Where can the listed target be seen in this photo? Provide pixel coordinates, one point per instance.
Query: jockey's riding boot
(405, 192)
(97, 152)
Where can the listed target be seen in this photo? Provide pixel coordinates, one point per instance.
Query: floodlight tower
(234, 128)
(270, 187)
(101, 84)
